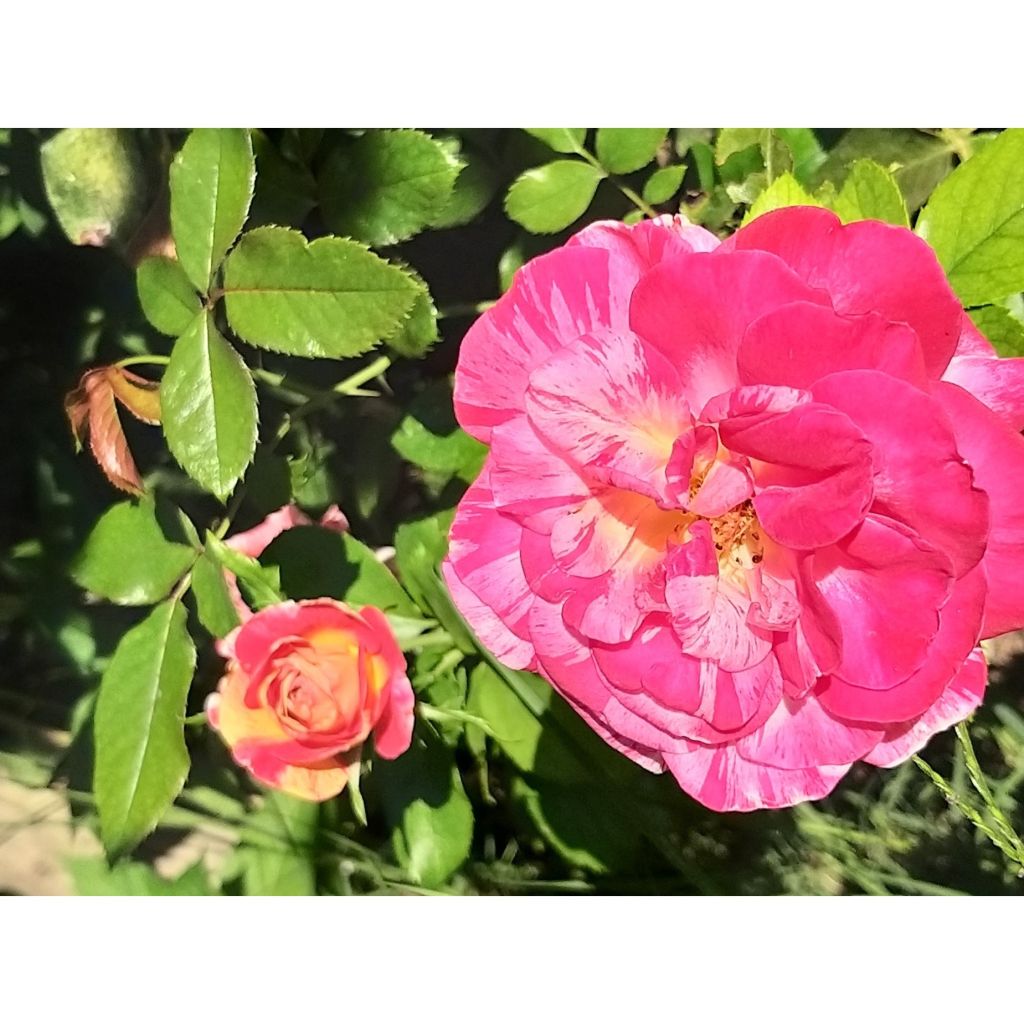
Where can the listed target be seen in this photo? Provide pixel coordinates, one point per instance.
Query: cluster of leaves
(249, 273)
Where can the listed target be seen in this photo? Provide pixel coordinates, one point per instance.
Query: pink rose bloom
(749, 507)
(307, 683)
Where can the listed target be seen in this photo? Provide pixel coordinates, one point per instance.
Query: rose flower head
(306, 685)
(749, 506)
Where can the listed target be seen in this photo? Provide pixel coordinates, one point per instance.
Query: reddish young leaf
(92, 410)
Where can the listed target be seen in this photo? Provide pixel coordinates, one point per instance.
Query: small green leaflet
(561, 140)
(208, 402)
(212, 182)
(783, 191)
(623, 150)
(166, 294)
(546, 199)
(870, 192)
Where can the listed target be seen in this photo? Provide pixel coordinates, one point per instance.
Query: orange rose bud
(306, 684)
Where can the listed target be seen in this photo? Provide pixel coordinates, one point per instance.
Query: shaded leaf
(95, 182)
(475, 185)
(807, 153)
(213, 600)
(918, 161)
(127, 557)
(212, 180)
(561, 140)
(260, 585)
(419, 549)
(870, 192)
(428, 435)
(285, 189)
(623, 150)
(167, 297)
(209, 408)
(574, 821)
(332, 297)
(386, 186)
(314, 562)
(549, 198)
(975, 222)
(430, 815)
(418, 331)
(141, 759)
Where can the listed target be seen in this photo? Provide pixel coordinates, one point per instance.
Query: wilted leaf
(92, 412)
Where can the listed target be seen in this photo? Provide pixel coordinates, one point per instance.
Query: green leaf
(128, 558)
(167, 297)
(731, 141)
(474, 187)
(918, 161)
(783, 191)
(430, 814)
(428, 435)
(212, 182)
(260, 585)
(664, 183)
(141, 759)
(279, 843)
(546, 199)
(93, 877)
(415, 336)
(575, 821)
(419, 549)
(208, 402)
(806, 152)
(1001, 328)
(623, 150)
(870, 192)
(386, 186)
(96, 183)
(314, 562)
(975, 222)
(213, 600)
(332, 297)
(561, 140)
(285, 190)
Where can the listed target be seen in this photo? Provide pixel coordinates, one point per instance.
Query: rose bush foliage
(750, 505)
(748, 502)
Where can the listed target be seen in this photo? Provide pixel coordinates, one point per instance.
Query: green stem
(144, 361)
(360, 377)
(465, 309)
(636, 200)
